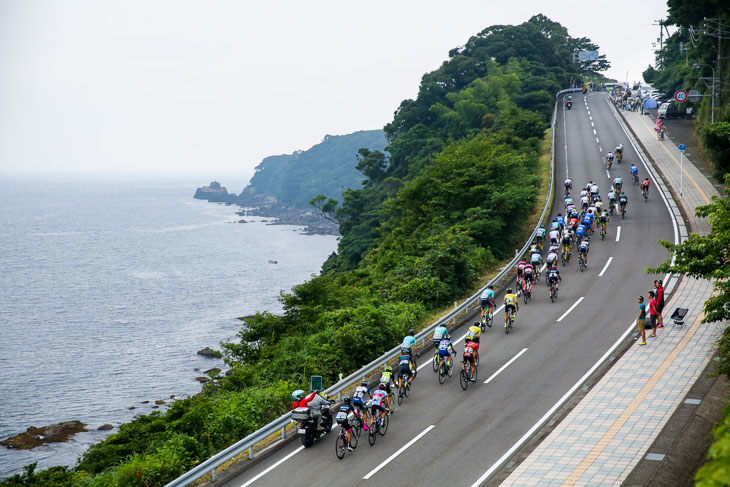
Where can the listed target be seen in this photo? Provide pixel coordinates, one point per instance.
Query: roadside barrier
(279, 425)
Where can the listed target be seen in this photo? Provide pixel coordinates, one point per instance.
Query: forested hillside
(448, 203)
(292, 180)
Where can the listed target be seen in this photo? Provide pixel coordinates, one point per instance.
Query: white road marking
(273, 466)
(597, 141)
(618, 233)
(592, 125)
(600, 149)
(589, 112)
(504, 366)
(552, 410)
(544, 266)
(605, 267)
(591, 118)
(608, 174)
(401, 450)
(594, 132)
(571, 308)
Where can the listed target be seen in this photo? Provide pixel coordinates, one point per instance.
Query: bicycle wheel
(450, 369)
(490, 320)
(401, 393)
(463, 379)
(436, 361)
(525, 295)
(340, 446)
(384, 427)
(355, 438)
(373, 433)
(474, 377)
(552, 295)
(476, 359)
(442, 374)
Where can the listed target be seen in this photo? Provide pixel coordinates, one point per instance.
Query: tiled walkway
(612, 428)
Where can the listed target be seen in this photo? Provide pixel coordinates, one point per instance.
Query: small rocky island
(215, 193)
(53, 433)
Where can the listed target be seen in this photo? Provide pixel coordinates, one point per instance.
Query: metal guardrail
(210, 465)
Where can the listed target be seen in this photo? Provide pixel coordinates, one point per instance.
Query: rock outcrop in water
(215, 193)
(53, 433)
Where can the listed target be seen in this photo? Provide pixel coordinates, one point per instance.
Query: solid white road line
(571, 308)
(273, 466)
(618, 233)
(505, 366)
(552, 410)
(401, 450)
(605, 267)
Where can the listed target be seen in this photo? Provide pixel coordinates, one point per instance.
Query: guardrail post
(250, 453)
(214, 474)
(283, 433)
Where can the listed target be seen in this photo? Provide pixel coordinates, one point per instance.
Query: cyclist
(612, 199)
(552, 256)
(609, 158)
(358, 399)
(471, 349)
(535, 259)
(573, 222)
(343, 420)
(554, 235)
(520, 266)
(554, 225)
(598, 204)
(567, 240)
(409, 344)
(623, 201)
(645, 187)
(553, 277)
(486, 301)
(379, 402)
(540, 235)
(529, 277)
(568, 202)
(405, 371)
(560, 221)
(584, 192)
(603, 220)
(583, 250)
(386, 378)
(438, 334)
(618, 183)
(594, 191)
(568, 185)
(619, 152)
(634, 173)
(580, 232)
(446, 350)
(510, 302)
(588, 223)
(474, 332)
(584, 202)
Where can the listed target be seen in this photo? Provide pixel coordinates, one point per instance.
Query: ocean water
(107, 291)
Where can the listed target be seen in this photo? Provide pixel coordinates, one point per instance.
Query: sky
(209, 88)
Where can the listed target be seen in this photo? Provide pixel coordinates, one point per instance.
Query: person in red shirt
(652, 312)
(660, 302)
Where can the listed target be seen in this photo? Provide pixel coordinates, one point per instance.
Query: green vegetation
(327, 167)
(675, 70)
(448, 204)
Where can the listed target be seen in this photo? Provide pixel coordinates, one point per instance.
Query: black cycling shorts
(484, 303)
(507, 307)
(405, 370)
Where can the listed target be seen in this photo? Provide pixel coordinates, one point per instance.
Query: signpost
(681, 168)
(694, 96)
(680, 96)
(315, 383)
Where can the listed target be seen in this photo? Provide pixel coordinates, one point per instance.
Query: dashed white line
(618, 233)
(571, 308)
(600, 149)
(605, 267)
(273, 466)
(594, 132)
(505, 366)
(608, 174)
(592, 124)
(591, 118)
(597, 141)
(401, 450)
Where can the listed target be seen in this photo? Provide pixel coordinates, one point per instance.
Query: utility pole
(714, 28)
(660, 23)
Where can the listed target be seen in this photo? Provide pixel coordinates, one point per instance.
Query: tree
(372, 164)
(707, 257)
(327, 208)
(649, 74)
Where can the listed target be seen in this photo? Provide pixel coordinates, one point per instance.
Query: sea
(109, 288)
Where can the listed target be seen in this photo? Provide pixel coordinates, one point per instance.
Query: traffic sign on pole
(680, 96)
(694, 95)
(681, 147)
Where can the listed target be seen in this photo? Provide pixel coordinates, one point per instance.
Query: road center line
(401, 450)
(591, 118)
(594, 132)
(597, 141)
(504, 366)
(605, 266)
(592, 125)
(571, 308)
(618, 233)
(600, 149)
(608, 174)
(273, 466)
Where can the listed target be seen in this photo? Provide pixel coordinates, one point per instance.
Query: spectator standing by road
(660, 302)
(652, 313)
(641, 319)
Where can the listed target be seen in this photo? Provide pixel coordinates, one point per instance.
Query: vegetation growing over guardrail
(448, 204)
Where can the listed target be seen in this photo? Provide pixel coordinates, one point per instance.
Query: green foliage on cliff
(447, 204)
(328, 167)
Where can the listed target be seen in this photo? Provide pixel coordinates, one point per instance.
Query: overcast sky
(212, 87)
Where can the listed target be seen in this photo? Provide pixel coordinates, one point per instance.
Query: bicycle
(487, 318)
(527, 291)
(510, 321)
(465, 376)
(581, 262)
(445, 368)
(566, 255)
(619, 157)
(611, 206)
(645, 193)
(379, 427)
(635, 178)
(603, 231)
(553, 292)
(404, 388)
(436, 360)
(623, 211)
(609, 162)
(341, 442)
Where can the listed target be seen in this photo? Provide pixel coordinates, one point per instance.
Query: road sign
(315, 383)
(588, 56)
(680, 96)
(694, 96)
(681, 147)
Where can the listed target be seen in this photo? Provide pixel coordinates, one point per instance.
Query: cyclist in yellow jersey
(510, 301)
(474, 332)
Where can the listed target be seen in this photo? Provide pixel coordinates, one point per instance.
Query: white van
(662, 112)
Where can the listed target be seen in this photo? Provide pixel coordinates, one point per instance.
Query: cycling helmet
(363, 382)
(542, 226)
(388, 368)
(509, 290)
(346, 401)
(491, 286)
(476, 323)
(381, 386)
(297, 395)
(447, 336)
(411, 332)
(467, 339)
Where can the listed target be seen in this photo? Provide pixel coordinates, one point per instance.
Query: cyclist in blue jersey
(583, 250)
(409, 343)
(580, 232)
(588, 223)
(561, 221)
(487, 300)
(634, 172)
(438, 334)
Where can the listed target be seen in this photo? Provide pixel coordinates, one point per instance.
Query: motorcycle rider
(313, 401)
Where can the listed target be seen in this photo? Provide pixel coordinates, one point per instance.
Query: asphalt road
(459, 435)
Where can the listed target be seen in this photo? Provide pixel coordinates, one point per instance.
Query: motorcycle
(569, 105)
(306, 424)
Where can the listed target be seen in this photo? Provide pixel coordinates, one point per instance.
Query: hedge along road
(444, 435)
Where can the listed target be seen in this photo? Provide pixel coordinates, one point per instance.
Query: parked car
(674, 110)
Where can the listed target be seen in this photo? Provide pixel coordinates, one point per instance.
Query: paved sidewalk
(604, 437)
